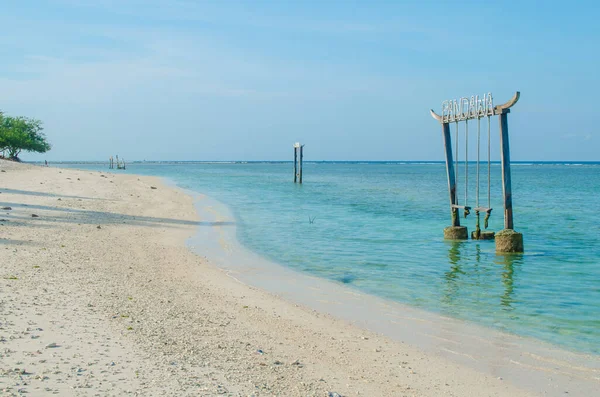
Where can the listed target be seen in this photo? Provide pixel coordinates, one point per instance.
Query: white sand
(130, 310)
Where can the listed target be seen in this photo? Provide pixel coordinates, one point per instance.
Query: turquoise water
(378, 228)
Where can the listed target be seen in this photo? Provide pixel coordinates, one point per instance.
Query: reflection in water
(454, 255)
(508, 262)
(478, 274)
(477, 254)
(453, 275)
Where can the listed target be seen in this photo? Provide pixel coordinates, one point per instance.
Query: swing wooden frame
(452, 172)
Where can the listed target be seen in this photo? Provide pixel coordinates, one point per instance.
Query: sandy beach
(100, 296)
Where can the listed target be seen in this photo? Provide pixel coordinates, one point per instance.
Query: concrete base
(456, 233)
(483, 235)
(509, 241)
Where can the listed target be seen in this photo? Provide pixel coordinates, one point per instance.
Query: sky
(244, 80)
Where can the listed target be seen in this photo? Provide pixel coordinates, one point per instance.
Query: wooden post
(298, 157)
(295, 164)
(451, 174)
(505, 152)
(301, 157)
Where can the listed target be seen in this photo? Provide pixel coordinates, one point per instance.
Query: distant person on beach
(46, 161)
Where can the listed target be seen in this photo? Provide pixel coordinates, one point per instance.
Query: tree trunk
(13, 152)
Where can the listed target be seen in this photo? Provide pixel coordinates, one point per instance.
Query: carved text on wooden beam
(467, 108)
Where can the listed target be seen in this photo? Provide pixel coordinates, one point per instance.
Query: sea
(377, 227)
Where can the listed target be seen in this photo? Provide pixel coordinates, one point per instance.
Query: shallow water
(378, 228)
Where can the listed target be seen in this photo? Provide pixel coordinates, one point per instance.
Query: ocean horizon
(520, 162)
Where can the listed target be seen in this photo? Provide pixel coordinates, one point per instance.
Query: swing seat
(460, 207)
(483, 209)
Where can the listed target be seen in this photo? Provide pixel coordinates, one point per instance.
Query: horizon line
(313, 161)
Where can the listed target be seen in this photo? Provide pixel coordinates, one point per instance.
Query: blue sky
(354, 80)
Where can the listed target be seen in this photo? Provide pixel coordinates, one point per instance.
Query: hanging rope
(467, 212)
(478, 152)
(477, 225)
(489, 163)
(489, 203)
(456, 162)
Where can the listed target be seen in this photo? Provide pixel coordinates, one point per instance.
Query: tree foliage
(21, 133)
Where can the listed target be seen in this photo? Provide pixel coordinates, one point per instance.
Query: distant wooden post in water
(120, 164)
(477, 108)
(298, 159)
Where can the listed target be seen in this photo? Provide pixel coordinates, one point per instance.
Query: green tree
(21, 133)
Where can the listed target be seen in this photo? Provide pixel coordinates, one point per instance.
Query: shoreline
(221, 334)
(532, 295)
(464, 342)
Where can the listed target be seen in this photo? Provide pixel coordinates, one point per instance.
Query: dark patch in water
(376, 264)
(347, 278)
